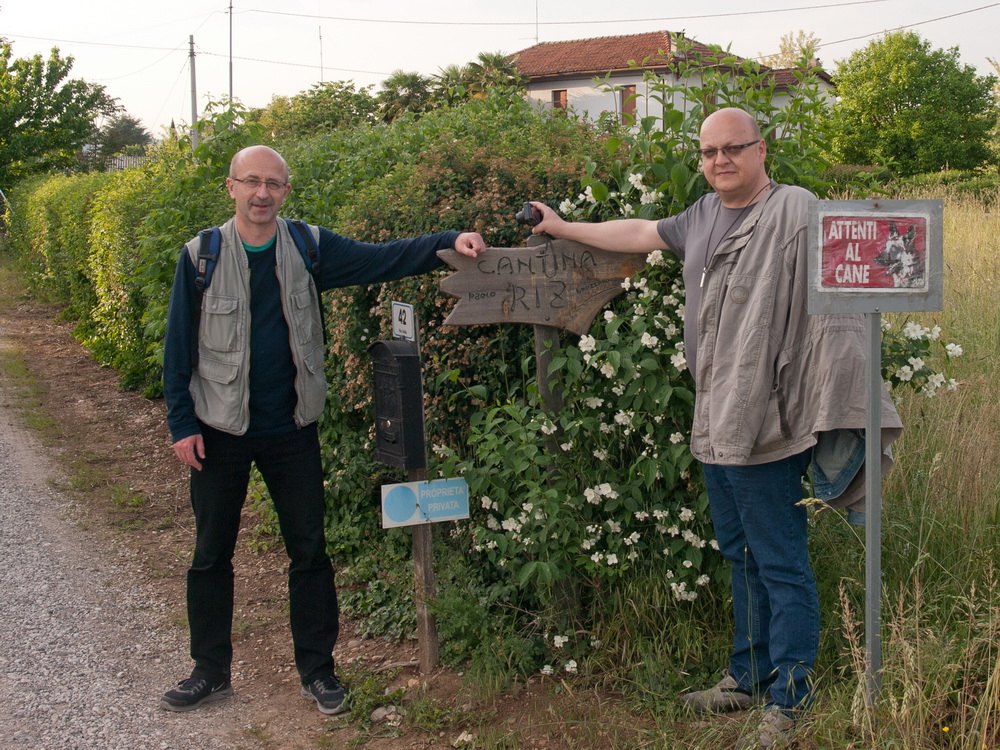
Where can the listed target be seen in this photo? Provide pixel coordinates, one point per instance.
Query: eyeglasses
(730, 151)
(253, 183)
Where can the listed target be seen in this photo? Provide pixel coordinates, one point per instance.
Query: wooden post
(423, 560)
(425, 585)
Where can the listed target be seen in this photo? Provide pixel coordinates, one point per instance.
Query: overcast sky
(139, 49)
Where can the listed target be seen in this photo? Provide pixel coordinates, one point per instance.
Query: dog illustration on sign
(901, 259)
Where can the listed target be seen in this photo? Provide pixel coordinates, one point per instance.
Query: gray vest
(220, 383)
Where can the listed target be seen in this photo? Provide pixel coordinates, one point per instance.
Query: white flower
(588, 194)
(655, 258)
(547, 669)
(954, 350)
(702, 581)
(486, 502)
(904, 373)
(593, 496)
(593, 402)
(612, 559)
(587, 343)
(650, 341)
(624, 418)
(678, 360)
(714, 544)
(607, 370)
(687, 514)
(614, 527)
(936, 380)
(934, 333)
(566, 207)
(916, 362)
(913, 331)
(635, 179)
(567, 446)
(632, 538)
(606, 490)
(596, 557)
(571, 666)
(601, 455)
(559, 640)
(688, 564)
(641, 515)
(609, 315)
(676, 438)
(627, 209)
(952, 384)
(548, 428)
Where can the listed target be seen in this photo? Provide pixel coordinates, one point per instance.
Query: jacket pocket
(220, 324)
(216, 371)
(305, 316)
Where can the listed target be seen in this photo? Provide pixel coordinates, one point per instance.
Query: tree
(120, 134)
(44, 118)
(917, 110)
(793, 47)
(404, 92)
(325, 107)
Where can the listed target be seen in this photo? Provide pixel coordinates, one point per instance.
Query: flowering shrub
(908, 354)
(606, 484)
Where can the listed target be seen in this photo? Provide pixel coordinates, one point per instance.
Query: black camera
(528, 215)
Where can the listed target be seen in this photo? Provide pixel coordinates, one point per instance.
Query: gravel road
(84, 653)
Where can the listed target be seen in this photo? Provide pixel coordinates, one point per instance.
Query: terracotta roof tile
(597, 56)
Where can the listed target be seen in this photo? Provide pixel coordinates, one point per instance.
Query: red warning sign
(865, 252)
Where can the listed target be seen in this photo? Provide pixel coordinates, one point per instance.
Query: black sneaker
(330, 696)
(192, 692)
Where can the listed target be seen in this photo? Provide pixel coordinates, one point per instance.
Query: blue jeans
(291, 467)
(763, 533)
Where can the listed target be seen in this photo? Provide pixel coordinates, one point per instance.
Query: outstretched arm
(621, 235)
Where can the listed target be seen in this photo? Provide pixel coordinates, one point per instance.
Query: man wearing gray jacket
(770, 380)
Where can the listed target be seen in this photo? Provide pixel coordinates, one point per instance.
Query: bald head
(732, 120)
(255, 154)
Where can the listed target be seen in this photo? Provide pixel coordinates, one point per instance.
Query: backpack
(208, 256)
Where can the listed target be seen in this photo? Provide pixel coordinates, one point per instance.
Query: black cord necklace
(709, 249)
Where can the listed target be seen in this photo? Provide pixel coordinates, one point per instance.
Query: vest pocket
(220, 324)
(305, 314)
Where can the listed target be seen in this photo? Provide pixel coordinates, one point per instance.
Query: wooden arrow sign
(560, 283)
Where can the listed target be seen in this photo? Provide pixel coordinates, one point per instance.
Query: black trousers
(291, 468)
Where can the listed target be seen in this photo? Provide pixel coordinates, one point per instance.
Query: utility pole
(230, 53)
(194, 97)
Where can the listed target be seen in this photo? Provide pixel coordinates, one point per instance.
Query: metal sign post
(872, 257)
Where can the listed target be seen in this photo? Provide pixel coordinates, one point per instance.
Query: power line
(564, 23)
(911, 25)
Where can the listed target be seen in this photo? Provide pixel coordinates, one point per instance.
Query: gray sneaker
(775, 729)
(724, 696)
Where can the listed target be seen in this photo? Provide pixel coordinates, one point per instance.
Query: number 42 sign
(403, 325)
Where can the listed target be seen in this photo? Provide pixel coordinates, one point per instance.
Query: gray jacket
(770, 377)
(220, 384)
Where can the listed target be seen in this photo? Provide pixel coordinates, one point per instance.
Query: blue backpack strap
(306, 243)
(208, 256)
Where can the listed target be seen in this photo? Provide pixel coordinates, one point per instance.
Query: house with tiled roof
(563, 74)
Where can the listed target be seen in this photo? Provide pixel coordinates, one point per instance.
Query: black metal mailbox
(399, 405)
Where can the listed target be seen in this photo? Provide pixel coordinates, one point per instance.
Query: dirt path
(108, 452)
